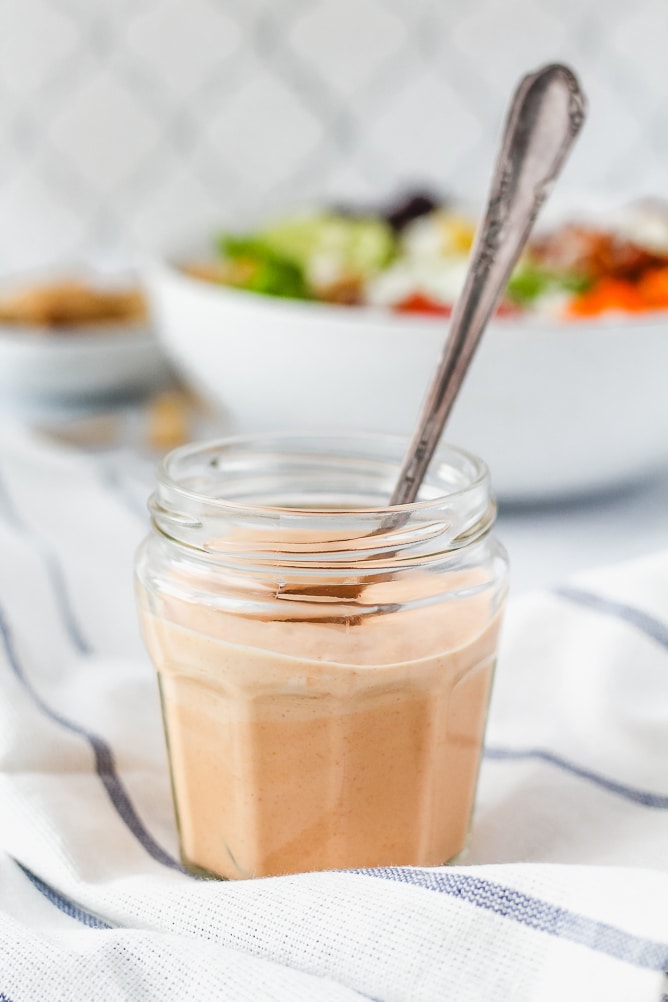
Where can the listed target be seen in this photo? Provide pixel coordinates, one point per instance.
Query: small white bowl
(81, 363)
(554, 409)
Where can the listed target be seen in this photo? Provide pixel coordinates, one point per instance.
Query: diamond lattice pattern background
(125, 124)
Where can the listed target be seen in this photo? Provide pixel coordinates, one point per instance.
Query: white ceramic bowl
(555, 410)
(76, 364)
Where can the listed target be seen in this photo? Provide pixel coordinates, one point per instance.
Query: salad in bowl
(412, 259)
(335, 320)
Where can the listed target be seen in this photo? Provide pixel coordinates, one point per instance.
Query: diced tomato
(417, 302)
(507, 309)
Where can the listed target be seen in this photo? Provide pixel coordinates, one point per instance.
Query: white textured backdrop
(127, 122)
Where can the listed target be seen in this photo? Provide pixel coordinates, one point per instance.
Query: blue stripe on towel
(54, 572)
(643, 622)
(643, 797)
(64, 904)
(105, 765)
(534, 914)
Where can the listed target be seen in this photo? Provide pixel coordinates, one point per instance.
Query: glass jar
(324, 661)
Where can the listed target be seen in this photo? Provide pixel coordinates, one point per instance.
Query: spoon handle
(544, 119)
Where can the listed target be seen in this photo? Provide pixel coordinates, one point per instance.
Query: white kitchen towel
(564, 895)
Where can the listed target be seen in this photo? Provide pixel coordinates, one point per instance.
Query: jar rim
(167, 476)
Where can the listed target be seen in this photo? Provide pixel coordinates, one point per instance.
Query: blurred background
(126, 123)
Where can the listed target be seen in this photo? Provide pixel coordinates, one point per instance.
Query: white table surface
(549, 543)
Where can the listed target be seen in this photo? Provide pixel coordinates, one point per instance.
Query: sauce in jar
(324, 671)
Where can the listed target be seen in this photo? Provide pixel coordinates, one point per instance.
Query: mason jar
(324, 661)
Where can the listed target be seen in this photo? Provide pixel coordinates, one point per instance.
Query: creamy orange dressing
(305, 741)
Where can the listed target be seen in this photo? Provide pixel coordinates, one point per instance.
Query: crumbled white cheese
(440, 279)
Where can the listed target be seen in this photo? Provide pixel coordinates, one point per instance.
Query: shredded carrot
(653, 287)
(608, 294)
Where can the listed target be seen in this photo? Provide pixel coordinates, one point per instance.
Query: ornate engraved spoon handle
(545, 116)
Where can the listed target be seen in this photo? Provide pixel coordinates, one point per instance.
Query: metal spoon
(545, 116)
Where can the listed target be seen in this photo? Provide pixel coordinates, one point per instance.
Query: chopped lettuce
(261, 269)
(361, 246)
(528, 283)
(289, 256)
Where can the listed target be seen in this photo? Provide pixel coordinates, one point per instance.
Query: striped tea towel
(564, 895)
